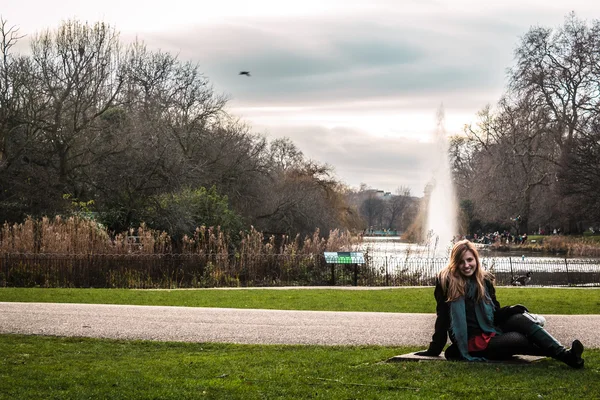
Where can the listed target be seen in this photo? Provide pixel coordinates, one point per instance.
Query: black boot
(554, 349)
(572, 357)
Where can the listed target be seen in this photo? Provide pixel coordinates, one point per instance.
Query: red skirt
(480, 342)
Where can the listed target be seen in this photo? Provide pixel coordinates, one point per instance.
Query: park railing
(227, 270)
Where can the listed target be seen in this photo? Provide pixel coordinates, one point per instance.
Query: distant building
(378, 194)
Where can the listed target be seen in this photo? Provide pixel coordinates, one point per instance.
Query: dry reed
(219, 261)
(76, 235)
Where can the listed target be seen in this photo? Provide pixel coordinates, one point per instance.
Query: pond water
(393, 246)
(394, 256)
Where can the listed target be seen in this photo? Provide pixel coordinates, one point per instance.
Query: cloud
(358, 157)
(296, 62)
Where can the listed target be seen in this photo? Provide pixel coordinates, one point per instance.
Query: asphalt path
(249, 326)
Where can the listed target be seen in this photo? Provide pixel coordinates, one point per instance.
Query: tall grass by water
(77, 252)
(76, 235)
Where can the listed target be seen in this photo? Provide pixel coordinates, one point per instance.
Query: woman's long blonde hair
(453, 281)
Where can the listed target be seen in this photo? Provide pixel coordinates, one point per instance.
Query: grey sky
(354, 84)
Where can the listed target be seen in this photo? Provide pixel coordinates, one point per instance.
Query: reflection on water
(394, 247)
(391, 247)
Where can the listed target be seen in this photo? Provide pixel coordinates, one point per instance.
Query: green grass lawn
(74, 368)
(36, 367)
(417, 300)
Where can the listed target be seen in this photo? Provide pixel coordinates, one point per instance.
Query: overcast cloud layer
(354, 84)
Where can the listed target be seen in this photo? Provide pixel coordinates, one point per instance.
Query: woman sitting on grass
(479, 329)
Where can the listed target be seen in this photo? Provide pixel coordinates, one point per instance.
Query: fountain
(441, 209)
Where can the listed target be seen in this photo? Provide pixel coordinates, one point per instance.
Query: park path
(249, 326)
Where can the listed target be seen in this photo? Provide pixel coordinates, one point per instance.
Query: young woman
(468, 312)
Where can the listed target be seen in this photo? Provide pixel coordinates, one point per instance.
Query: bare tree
(285, 154)
(512, 160)
(169, 125)
(583, 176)
(372, 209)
(10, 84)
(561, 69)
(160, 86)
(302, 199)
(396, 206)
(78, 77)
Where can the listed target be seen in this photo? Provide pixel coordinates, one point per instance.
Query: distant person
(468, 312)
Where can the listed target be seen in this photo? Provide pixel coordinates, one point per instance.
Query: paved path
(225, 325)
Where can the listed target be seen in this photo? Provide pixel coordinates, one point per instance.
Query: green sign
(344, 257)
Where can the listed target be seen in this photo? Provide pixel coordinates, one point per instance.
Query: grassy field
(75, 368)
(414, 300)
(34, 367)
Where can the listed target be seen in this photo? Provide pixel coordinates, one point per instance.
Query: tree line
(92, 126)
(130, 135)
(531, 162)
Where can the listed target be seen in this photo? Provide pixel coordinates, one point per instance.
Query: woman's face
(468, 264)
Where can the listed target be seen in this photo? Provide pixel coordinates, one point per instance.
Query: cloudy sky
(355, 84)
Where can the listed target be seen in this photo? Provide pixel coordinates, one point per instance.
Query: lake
(391, 256)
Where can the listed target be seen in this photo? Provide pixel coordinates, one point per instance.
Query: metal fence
(226, 270)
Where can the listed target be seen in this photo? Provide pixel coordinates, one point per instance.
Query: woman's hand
(503, 314)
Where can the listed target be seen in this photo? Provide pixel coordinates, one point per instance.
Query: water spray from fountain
(441, 210)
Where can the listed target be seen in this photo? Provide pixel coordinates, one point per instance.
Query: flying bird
(247, 73)
(522, 280)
